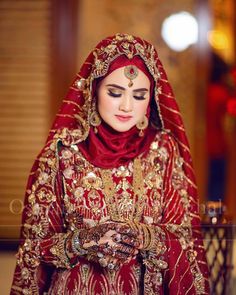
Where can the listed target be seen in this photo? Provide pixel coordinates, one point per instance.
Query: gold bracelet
(147, 237)
(150, 240)
(76, 246)
(153, 239)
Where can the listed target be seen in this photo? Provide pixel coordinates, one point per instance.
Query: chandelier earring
(95, 119)
(142, 125)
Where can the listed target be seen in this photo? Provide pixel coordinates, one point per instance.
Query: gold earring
(142, 125)
(95, 119)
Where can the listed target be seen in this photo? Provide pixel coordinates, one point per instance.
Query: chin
(120, 126)
(122, 129)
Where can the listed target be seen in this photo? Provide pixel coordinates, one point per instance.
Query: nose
(126, 104)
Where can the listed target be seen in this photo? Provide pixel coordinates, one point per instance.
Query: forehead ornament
(131, 72)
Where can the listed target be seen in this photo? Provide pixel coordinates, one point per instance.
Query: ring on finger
(100, 255)
(121, 255)
(114, 253)
(125, 238)
(102, 262)
(126, 249)
(117, 238)
(111, 266)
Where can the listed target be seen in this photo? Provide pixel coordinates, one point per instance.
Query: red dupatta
(72, 125)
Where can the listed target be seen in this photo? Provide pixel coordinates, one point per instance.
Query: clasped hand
(111, 244)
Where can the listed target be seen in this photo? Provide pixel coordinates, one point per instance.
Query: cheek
(141, 108)
(105, 104)
(102, 100)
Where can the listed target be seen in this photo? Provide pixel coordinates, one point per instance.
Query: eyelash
(114, 94)
(141, 97)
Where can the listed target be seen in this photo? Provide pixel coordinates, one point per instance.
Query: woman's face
(119, 105)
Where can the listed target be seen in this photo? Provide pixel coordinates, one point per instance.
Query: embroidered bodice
(85, 188)
(70, 193)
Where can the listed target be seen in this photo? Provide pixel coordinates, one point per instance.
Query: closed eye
(140, 96)
(114, 93)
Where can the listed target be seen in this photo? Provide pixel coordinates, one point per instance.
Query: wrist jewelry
(148, 233)
(76, 246)
(150, 244)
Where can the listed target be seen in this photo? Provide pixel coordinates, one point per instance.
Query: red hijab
(109, 148)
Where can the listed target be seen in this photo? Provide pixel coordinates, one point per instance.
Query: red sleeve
(43, 234)
(180, 256)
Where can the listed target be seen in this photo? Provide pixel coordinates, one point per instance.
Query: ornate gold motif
(95, 119)
(91, 180)
(129, 47)
(59, 250)
(81, 84)
(135, 207)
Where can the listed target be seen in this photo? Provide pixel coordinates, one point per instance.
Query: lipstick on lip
(123, 118)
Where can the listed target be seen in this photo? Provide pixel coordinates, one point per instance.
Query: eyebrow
(116, 86)
(122, 88)
(140, 90)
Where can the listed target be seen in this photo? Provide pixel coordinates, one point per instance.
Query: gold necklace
(111, 195)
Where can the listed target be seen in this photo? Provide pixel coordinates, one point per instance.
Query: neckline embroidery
(111, 194)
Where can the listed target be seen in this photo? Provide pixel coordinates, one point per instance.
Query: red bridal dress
(83, 178)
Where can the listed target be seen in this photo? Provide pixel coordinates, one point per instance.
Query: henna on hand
(106, 242)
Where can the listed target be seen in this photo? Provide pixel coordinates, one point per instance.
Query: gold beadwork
(81, 83)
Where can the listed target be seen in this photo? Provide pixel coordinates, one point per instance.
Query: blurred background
(43, 43)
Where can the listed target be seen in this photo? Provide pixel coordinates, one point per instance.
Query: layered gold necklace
(112, 197)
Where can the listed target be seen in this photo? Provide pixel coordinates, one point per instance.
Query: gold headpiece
(131, 72)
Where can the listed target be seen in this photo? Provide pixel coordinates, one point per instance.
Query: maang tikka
(95, 119)
(131, 72)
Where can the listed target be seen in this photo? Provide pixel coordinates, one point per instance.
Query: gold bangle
(76, 246)
(150, 239)
(147, 237)
(153, 239)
